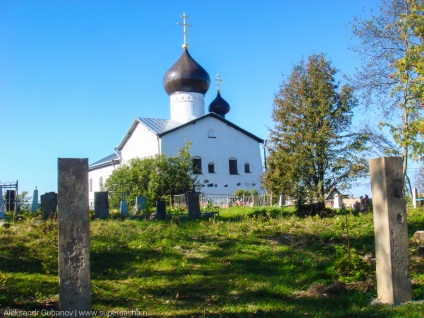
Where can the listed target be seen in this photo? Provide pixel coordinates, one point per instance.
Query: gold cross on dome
(218, 82)
(185, 25)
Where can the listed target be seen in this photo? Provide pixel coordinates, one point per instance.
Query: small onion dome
(186, 75)
(219, 106)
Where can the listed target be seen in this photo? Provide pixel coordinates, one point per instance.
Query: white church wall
(142, 143)
(97, 178)
(216, 142)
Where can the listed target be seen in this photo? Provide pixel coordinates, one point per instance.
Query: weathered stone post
(390, 230)
(74, 237)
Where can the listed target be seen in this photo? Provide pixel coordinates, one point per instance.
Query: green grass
(248, 263)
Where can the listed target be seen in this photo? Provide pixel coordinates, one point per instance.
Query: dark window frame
(233, 166)
(197, 165)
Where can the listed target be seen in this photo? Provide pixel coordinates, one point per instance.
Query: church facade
(226, 157)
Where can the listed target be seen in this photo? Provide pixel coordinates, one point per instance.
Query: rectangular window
(246, 168)
(211, 168)
(197, 166)
(233, 166)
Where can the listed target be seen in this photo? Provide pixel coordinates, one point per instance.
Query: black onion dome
(219, 106)
(186, 75)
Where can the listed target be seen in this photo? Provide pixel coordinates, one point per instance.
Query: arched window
(233, 166)
(247, 167)
(101, 183)
(197, 165)
(91, 185)
(211, 133)
(211, 167)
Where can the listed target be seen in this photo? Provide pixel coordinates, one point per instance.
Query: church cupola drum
(186, 83)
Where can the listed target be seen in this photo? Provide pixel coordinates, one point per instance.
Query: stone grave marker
(74, 238)
(34, 206)
(123, 207)
(337, 201)
(101, 205)
(140, 203)
(48, 204)
(281, 201)
(193, 204)
(2, 214)
(390, 230)
(160, 210)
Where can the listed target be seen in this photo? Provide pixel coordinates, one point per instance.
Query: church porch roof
(106, 161)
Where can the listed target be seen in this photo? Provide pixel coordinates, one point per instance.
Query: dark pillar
(74, 237)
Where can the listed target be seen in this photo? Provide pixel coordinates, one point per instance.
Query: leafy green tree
(391, 73)
(154, 177)
(311, 147)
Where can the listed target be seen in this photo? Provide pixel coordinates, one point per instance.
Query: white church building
(225, 156)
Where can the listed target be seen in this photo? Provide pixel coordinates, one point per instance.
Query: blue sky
(75, 74)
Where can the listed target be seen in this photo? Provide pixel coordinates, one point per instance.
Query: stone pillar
(34, 206)
(390, 230)
(101, 205)
(74, 237)
(193, 204)
(2, 214)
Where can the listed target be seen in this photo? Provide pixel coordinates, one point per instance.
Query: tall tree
(390, 76)
(311, 149)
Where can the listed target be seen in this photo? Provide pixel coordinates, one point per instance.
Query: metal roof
(158, 126)
(106, 161)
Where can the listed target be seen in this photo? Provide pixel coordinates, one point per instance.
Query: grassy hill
(247, 263)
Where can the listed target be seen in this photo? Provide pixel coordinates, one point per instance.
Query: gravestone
(337, 201)
(140, 203)
(281, 201)
(414, 197)
(74, 237)
(34, 206)
(193, 204)
(160, 210)
(2, 214)
(101, 205)
(48, 204)
(123, 207)
(390, 230)
(255, 199)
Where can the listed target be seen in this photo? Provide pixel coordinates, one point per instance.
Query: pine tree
(311, 149)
